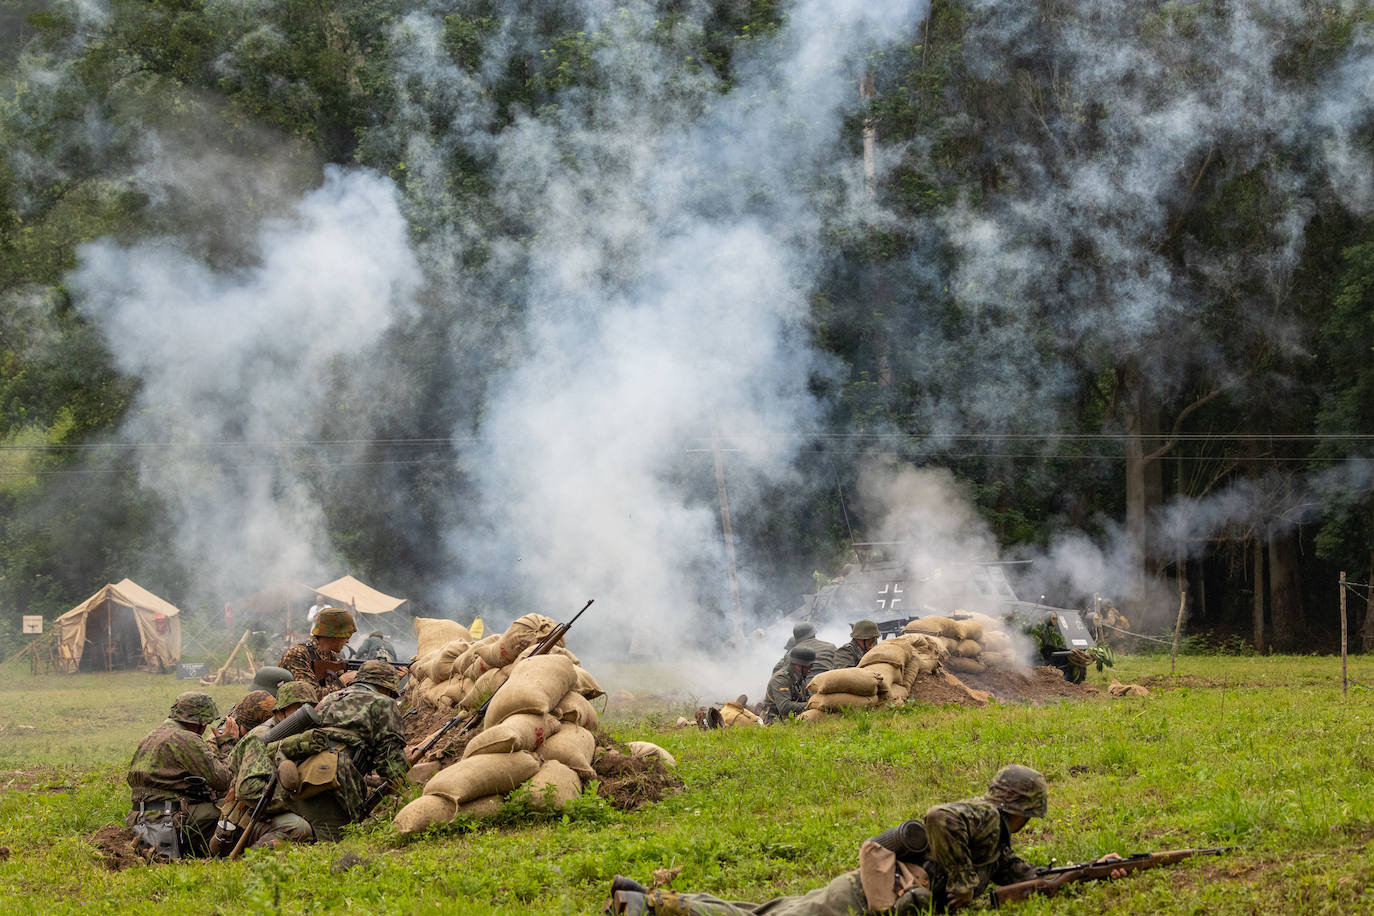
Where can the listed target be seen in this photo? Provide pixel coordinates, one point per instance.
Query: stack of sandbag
(839, 688)
(973, 642)
(537, 731)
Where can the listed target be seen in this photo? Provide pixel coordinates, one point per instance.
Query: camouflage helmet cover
(195, 708)
(254, 709)
(802, 655)
(269, 678)
(1019, 790)
(334, 621)
(380, 675)
(293, 692)
(864, 629)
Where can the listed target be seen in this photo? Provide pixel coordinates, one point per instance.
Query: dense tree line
(1122, 277)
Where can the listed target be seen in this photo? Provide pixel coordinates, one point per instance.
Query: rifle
(258, 811)
(375, 797)
(1050, 880)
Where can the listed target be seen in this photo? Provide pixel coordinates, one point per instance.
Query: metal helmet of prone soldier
(194, 708)
(379, 675)
(1019, 790)
(335, 622)
(269, 678)
(802, 656)
(254, 709)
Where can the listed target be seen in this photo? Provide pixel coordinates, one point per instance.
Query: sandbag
(811, 715)
(479, 808)
(484, 687)
(488, 656)
(1118, 689)
(534, 686)
(968, 629)
(888, 652)
(1004, 658)
(897, 694)
(516, 733)
(556, 650)
(433, 632)
(968, 648)
(482, 774)
(553, 786)
(733, 713)
(573, 745)
(455, 690)
(423, 811)
(889, 676)
(577, 709)
(442, 668)
(964, 665)
(523, 632)
(830, 702)
(928, 625)
(995, 641)
(951, 646)
(587, 685)
(858, 681)
(649, 749)
(423, 666)
(421, 772)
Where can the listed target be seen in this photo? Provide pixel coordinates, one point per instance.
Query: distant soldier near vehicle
(318, 661)
(253, 767)
(176, 775)
(786, 694)
(863, 635)
(360, 732)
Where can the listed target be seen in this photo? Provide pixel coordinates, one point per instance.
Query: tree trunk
(1257, 612)
(1285, 593)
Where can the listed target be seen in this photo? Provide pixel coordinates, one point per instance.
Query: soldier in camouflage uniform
(363, 724)
(843, 896)
(175, 773)
(328, 635)
(862, 637)
(786, 694)
(253, 767)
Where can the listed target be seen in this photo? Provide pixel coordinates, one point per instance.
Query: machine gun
(895, 627)
(1050, 880)
(468, 723)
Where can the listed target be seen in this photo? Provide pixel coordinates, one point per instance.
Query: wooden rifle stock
(259, 810)
(375, 797)
(1052, 879)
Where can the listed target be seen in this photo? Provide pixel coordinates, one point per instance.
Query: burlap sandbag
(830, 702)
(517, 733)
(951, 645)
(968, 648)
(649, 749)
(812, 715)
(587, 685)
(523, 632)
(553, 786)
(858, 681)
(889, 676)
(456, 690)
(1003, 658)
(423, 811)
(968, 629)
(897, 694)
(484, 687)
(995, 641)
(479, 808)
(928, 625)
(888, 652)
(482, 774)
(573, 745)
(558, 649)
(925, 654)
(577, 709)
(733, 713)
(534, 686)
(964, 665)
(488, 656)
(433, 632)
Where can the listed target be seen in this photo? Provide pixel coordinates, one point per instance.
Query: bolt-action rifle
(1050, 880)
(469, 722)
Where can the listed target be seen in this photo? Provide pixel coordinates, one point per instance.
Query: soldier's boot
(622, 883)
(916, 902)
(632, 903)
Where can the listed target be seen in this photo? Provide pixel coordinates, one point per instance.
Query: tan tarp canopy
(127, 624)
(349, 592)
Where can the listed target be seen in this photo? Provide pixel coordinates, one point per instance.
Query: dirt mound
(938, 691)
(450, 747)
(118, 847)
(1040, 684)
(628, 782)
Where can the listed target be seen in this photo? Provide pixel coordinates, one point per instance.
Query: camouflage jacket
(847, 655)
(253, 766)
(366, 727)
(786, 695)
(300, 660)
(969, 839)
(166, 758)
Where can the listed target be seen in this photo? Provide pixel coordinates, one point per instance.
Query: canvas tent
(120, 626)
(350, 593)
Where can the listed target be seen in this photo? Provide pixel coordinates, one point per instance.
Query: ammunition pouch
(311, 776)
(159, 828)
(907, 840)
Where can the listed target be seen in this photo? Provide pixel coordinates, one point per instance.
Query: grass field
(1263, 753)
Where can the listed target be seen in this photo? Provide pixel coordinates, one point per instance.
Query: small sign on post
(188, 671)
(33, 624)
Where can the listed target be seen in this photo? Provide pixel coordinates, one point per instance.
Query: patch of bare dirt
(118, 847)
(1041, 684)
(449, 748)
(628, 782)
(937, 690)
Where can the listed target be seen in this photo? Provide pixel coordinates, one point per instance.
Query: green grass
(1268, 755)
